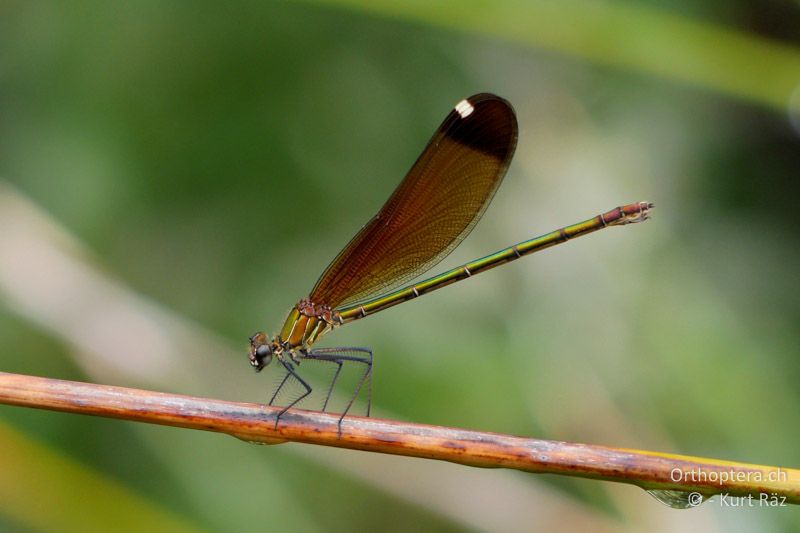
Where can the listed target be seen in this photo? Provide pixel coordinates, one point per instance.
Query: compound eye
(264, 351)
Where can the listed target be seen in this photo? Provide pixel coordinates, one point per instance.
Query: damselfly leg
(338, 357)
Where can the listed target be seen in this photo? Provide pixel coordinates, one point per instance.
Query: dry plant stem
(256, 423)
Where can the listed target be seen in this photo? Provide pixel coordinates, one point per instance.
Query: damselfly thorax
(304, 325)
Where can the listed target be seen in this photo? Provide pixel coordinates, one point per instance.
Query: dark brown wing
(435, 207)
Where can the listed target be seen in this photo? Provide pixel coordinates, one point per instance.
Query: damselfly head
(260, 353)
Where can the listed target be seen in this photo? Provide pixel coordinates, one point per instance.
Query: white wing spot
(464, 108)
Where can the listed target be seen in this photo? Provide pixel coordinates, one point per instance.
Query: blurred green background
(174, 176)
